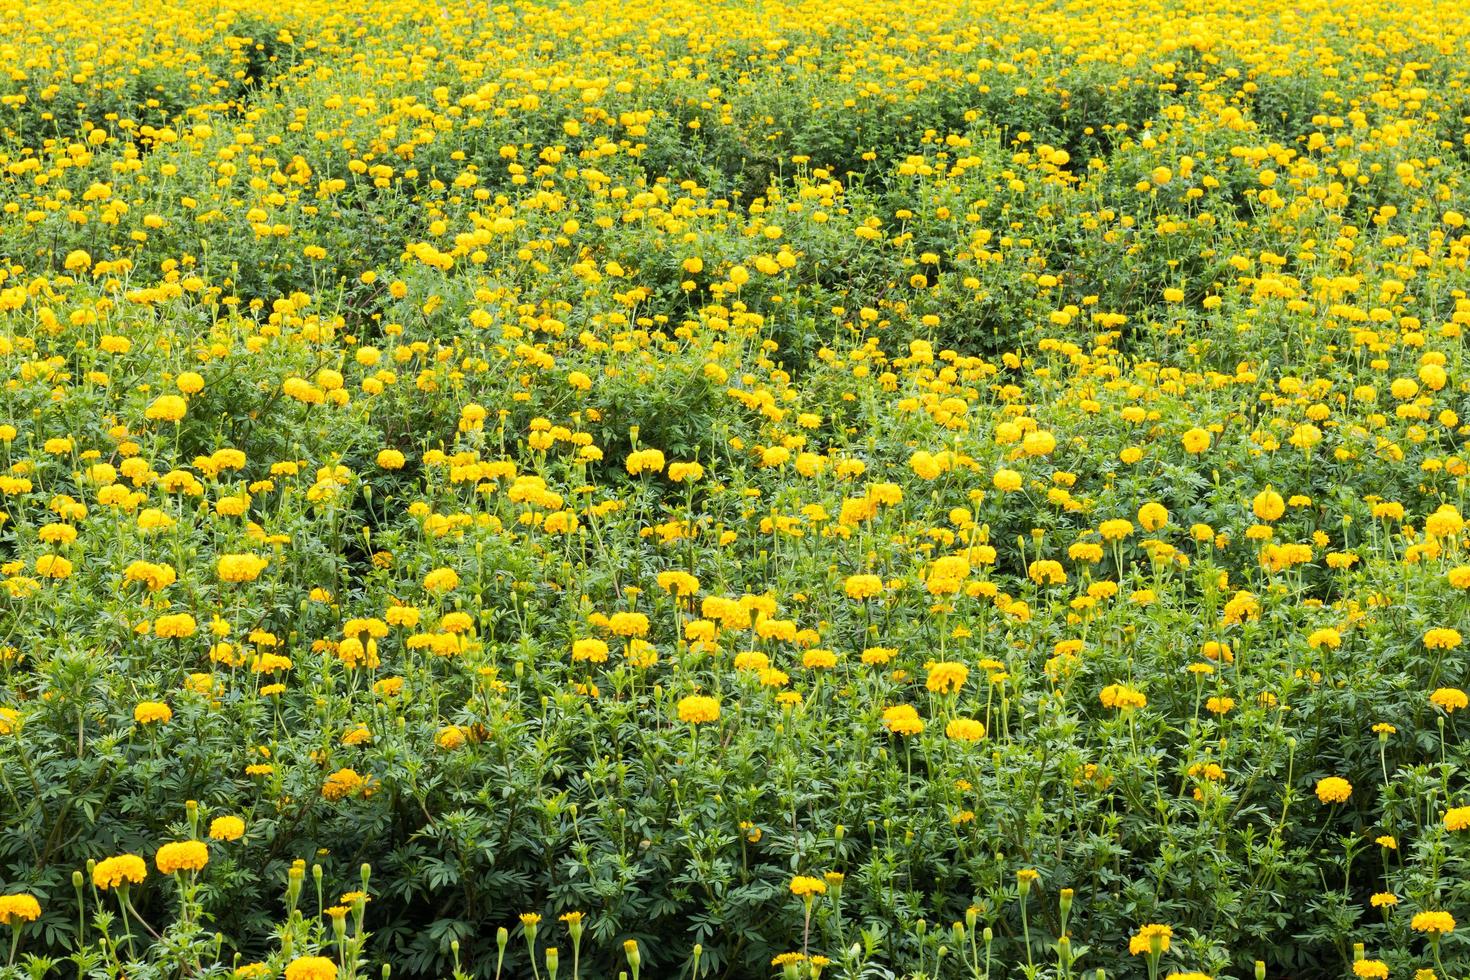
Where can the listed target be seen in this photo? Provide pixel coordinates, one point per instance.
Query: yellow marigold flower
(120, 870)
(1038, 443)
(1326, 637)
(1384, 900)
(688, 472)
(628, 624)
(149, 712)
(863, 586)
(819, 659)
(928, 466)
(311, 968)
(226, 828)
(1457, 818)
(1268, 505)
(803, 886)
(1442, 639)
(1045, 571)
(1196, 441)
(903, 719)
(1445, 522)
(698, 709)
(946, 677)
(53, 566)
(1122, 697)
(1334, 789)
(1006, 480)
(1371, 969)
(590, 649)
(644, 461)
(1151, 939)
(189, 855)
(176, 626)
(15, 909)
(678, 583)
(167, 408)
(240, 568)
(1153, 516)
(965, 730)
(391, 459)
(1433, 922)
(1451, 699)
(441, 580)
(342, 783)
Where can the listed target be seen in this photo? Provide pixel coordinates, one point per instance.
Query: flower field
(874, 489)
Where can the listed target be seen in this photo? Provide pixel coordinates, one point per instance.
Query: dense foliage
(890, 488)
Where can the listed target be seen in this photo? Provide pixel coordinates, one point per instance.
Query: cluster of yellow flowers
(1019, 430)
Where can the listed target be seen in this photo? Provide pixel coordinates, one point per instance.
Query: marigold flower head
(698, 709)
(1436, 923)
(1122, 697)
(803, 886)
(15, 909)
(240, 568)
(441, 580)
(149, 712)
(1449, 699)
(120, 870)
(342, 783)
(1195, 441)
(311, 968)
(175, 626)
(965, 730)
(188, 855)
(946, 677)
(903, 719)
(1268, 505)
(167, 408)
(226, 828)
(1150, 939)
(1153, 516)
(1334, 789)
(1442, 639)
